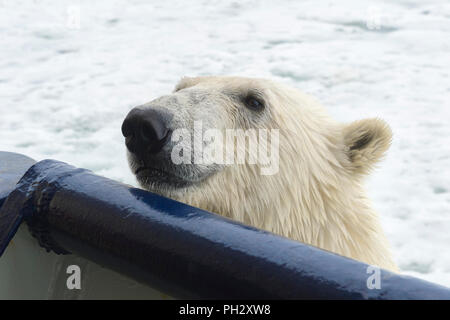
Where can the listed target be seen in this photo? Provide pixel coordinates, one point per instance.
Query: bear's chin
(158, 180)
(171, 184)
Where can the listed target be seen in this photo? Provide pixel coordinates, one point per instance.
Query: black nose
(145, 131)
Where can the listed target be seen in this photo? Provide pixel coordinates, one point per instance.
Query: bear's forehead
(232, 85)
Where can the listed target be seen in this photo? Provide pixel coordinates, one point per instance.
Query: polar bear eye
(254, 103)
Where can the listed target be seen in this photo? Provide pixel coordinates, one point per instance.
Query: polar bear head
(305, 171)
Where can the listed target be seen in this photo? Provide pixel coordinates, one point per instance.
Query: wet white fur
(318, 196)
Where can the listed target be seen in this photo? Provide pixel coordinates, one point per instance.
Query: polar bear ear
(366, 142)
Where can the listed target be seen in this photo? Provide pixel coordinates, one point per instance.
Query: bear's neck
(328, 211)
(339, 219)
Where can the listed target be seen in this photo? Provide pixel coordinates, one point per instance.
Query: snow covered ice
(71, 70)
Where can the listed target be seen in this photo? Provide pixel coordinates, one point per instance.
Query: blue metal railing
(178, 249)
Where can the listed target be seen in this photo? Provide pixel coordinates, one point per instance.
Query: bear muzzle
(145, 131)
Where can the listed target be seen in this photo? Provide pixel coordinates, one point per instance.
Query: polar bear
(315, 194)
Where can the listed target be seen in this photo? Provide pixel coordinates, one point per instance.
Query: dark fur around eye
(253, 102)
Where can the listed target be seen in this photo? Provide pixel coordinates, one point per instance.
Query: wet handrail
(178, 249)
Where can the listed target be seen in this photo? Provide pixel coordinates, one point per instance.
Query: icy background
(70, 71)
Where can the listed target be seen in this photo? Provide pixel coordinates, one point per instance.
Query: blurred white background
(71, 70)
